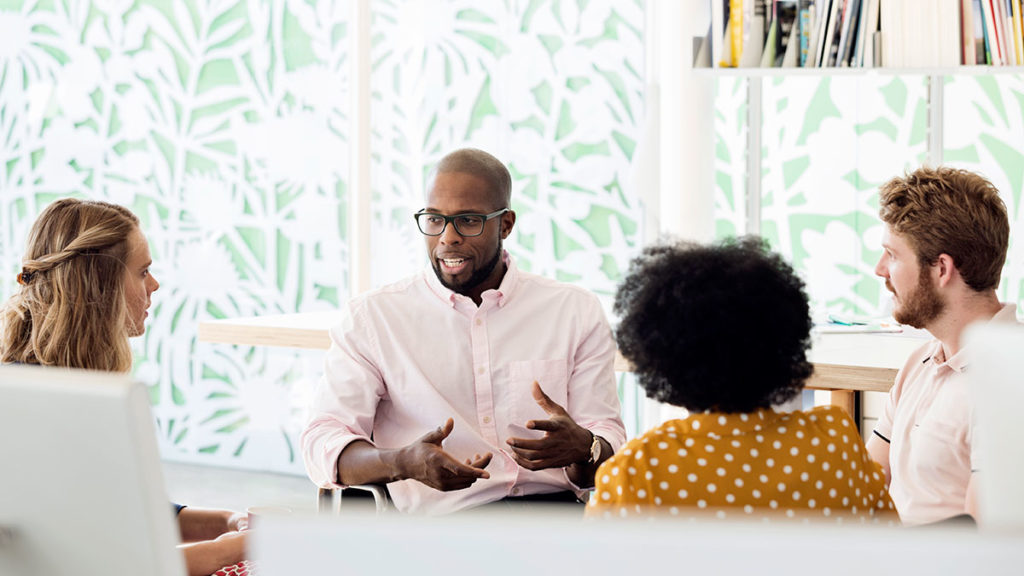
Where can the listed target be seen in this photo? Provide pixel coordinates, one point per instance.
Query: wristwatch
(595, 448)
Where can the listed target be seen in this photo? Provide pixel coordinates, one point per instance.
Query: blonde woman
(85, 288)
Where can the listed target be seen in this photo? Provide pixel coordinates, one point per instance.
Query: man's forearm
(363, 463)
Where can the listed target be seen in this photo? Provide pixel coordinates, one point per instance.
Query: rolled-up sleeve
(593, 394)
(345, 400)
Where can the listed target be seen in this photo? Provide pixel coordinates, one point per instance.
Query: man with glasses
(472, 384)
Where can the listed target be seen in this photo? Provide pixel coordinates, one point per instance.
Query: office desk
(843, 363)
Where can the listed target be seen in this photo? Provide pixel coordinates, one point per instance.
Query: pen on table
(842, 322)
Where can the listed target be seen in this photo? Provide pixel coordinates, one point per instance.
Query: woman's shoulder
(829, 415)
(667, 441)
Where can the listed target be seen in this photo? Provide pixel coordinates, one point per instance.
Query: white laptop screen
(997, 381)
(82, 490)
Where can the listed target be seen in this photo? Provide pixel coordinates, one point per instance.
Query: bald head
(481, 165)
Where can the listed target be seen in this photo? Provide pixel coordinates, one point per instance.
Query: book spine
(805, 17)
(869, 58)
(876, 51)
(978, 33)
(832, 48)
(985, 34)
(997, 12)
(717, 30)
(950, 32)
(1010, 10)
(991, 34)
(1005, 31)
(736, 32)
(1019, 30)
(851, 38)
(862, 25)
(821, 27)
(967, 56)
(844, 31)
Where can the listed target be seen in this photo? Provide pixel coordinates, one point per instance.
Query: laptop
(82, 490)
(997, 380)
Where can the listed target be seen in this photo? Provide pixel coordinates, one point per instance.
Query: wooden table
(844, 364)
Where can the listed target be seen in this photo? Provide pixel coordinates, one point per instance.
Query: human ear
(946, 268)
(508, 221)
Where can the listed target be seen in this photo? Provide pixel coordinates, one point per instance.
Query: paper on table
(831, 328)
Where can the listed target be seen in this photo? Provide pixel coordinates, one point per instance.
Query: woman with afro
(723, 331)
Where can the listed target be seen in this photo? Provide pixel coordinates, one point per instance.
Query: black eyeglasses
(467, 225)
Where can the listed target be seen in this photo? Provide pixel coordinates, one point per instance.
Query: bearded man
(944, 245)
(512, 372)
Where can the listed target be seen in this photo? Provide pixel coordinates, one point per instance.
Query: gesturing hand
(428, 463)
(564, 441)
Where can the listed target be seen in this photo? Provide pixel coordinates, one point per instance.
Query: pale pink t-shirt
(929, 423)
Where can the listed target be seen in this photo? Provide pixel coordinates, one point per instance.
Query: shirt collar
(722, 424)
(508, 284)
(958, 362)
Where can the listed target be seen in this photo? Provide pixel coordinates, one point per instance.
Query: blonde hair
(71, 309)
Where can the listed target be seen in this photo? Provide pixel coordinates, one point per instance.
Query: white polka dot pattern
(789, 464)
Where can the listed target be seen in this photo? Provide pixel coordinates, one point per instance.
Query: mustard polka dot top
(799, 463)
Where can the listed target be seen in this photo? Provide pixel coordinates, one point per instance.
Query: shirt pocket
(553, 377)
(939, 450)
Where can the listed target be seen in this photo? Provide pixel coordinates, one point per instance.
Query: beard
(475, 279)
(920, 306)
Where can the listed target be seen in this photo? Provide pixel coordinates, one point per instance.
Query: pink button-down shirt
(410, 355)
(929, 423)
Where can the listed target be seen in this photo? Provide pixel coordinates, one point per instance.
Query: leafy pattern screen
(224, 126)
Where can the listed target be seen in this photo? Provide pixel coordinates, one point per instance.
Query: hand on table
(238, 522)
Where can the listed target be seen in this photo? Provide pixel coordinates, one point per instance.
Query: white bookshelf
(775, 72)
(677, 187)
(871, 404)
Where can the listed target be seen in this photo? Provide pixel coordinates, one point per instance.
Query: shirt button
(479, 321)
(481, 370)
(487, 419)
(516, 491)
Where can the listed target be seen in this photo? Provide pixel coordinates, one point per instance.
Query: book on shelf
(1004, 32)
(851, 13)
(735, 32)
(830, 25)
(718, 22)
(1013, 32)
(781, 45)
(791, 58)
(822, 10)
(862, 27)
(984, 47)
(805, 15)
(702, 51)
(948, 36)
(754, 22)
(872, 37)
(768, 53)
(866, 33)
(967, 43)
(1018, 10)
(993, 47)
